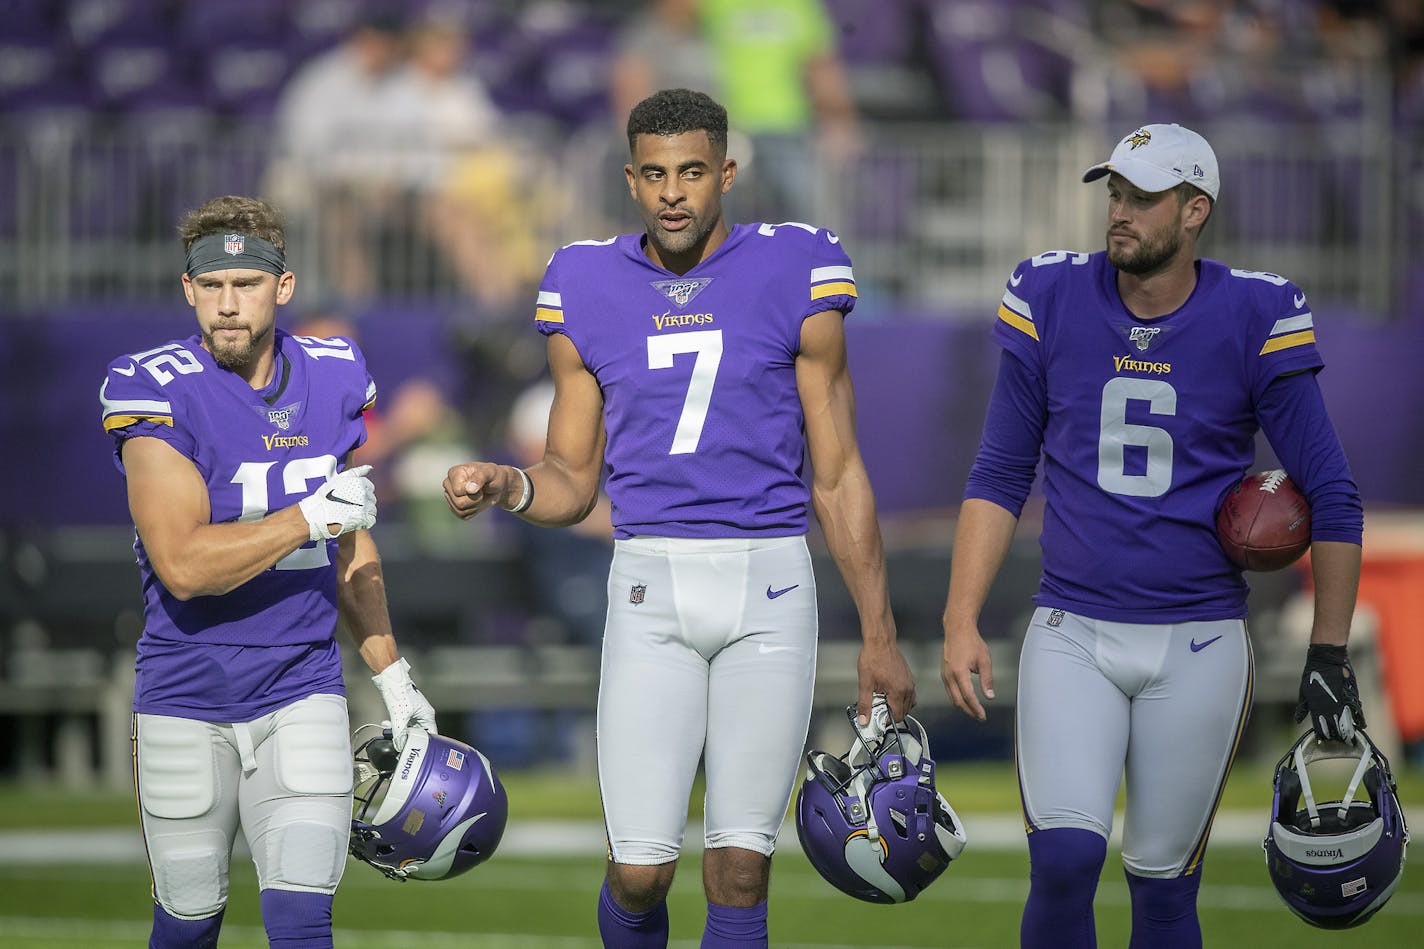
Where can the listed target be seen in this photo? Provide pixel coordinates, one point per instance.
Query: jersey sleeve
(1283, 333)
(832, 278)
(367, 400)
(549, 307)
(1016, 329)
(133, 404)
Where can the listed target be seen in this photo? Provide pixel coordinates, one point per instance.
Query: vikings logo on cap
(1139, 138)
(234, 244)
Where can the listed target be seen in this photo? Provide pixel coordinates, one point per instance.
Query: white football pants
(709, 651)
(285, 777)
(1164, 704)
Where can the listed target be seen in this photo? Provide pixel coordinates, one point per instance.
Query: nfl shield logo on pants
(635, 595)
(233, 243)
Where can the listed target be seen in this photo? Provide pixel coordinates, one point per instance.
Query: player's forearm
(981, 542)
(213, 559)
(846, 512)
(1335, 568)
(361, 600)
(562, 496)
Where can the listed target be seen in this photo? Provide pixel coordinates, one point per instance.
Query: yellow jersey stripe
(124, 421)
(832, 289)
(1017, 322)
(1286, 342)
(548, 315)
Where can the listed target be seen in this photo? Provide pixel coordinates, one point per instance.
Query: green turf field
(519, 902)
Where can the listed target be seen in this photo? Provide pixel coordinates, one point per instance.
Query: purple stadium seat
(245, 79)
(27, 65)
(882, 32)
(574, 71)
(989, 71)
(204, 24)
(93, 22)
(125, 70)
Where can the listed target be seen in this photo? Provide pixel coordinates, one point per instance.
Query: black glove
(1329, 694)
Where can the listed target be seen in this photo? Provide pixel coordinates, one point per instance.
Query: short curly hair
(675, 111)
(234, 213)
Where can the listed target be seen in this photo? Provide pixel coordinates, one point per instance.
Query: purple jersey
(1149, 423)
(270, 641)
(705, 432)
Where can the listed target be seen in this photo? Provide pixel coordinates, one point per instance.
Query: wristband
(527, 498)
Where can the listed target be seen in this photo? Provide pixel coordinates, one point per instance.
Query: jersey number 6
(1116, 433)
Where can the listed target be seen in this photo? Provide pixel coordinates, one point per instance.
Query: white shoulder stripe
(546, 298)
(831, 273)
(1019, 306)
(1293, 324)
(131, 406)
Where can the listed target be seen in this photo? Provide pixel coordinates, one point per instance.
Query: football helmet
(1335, 863)
(871, 821)
(432, 810)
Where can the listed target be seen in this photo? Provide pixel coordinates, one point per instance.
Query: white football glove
(347, 499)
(404, 703)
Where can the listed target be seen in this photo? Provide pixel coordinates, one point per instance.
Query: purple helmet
(1335, 864)
(429, 812)
(871, 821)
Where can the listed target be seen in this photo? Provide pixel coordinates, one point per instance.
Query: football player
(251, 537)
(687, 361)
(1141, 374)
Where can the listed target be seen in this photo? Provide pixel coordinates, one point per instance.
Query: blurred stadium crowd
(430, 155)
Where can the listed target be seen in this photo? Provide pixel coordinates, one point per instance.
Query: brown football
(1264, 522)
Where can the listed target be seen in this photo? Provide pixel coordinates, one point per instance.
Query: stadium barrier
(935, 216)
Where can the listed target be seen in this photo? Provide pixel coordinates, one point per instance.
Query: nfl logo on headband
(233, 243)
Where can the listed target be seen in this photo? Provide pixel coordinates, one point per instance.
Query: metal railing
(933, 216)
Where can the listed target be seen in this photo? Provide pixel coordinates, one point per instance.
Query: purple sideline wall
(921, 388)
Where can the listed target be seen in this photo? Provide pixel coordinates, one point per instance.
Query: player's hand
(965, 656)
(883, 669)
(345, 502)
(1330, 694)
(475, 487)
(404, 703)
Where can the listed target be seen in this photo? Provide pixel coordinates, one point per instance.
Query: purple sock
(170, 932)
(1064, 865)
(1164, 912)
(729, 927)
(297, 920)
(625, 929)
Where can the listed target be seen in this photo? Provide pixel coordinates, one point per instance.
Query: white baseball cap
(1158, 157)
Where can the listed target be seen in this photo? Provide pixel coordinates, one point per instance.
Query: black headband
(234, 252)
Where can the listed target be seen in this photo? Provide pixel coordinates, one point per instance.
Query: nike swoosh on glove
(404, 703)
(347, 499)
(1330, 694)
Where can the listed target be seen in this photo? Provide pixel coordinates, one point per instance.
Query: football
(1264, 522)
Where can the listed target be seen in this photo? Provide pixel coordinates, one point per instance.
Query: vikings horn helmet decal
(429, 812)
(871, 821)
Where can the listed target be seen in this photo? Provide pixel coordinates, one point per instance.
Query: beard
(1149, 255)
(677, 243)
(234, 354)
